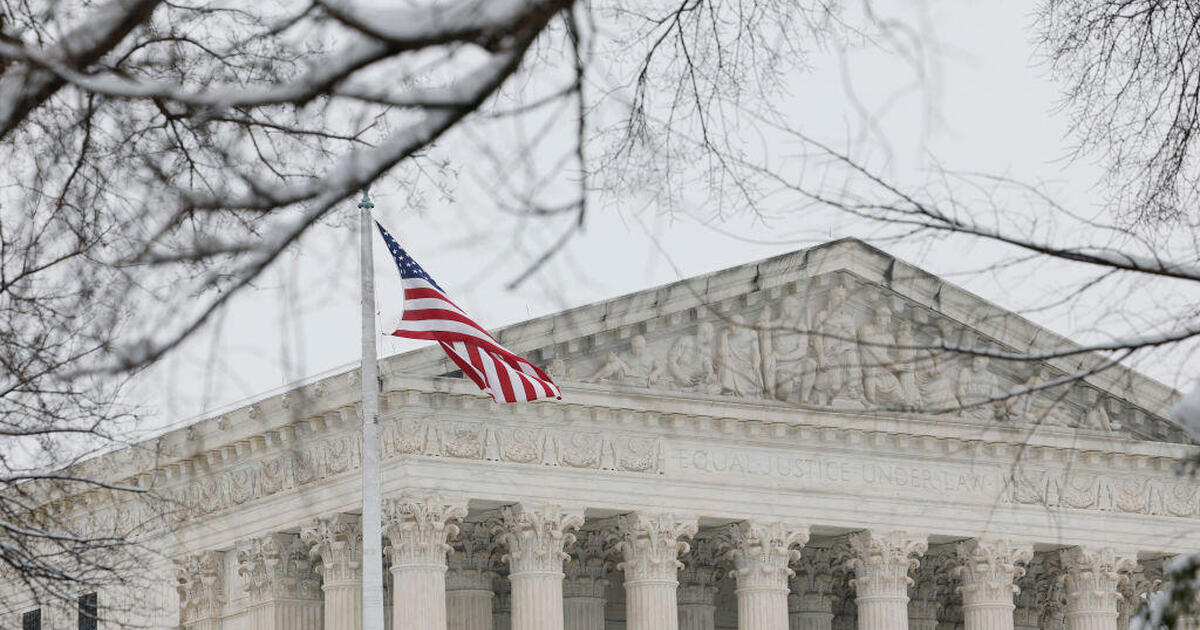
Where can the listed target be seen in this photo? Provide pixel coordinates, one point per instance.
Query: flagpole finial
(365, 204)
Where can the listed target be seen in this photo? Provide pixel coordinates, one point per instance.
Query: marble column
(469, 596)
(988, 572)
(929, 590)
(1143, 581)
(1091, 578)
(502, 607)
(337, 541)
(535, 537)
(810, 604)
(284, 589)
(650, 546)
(200, 580)
(761, 553)
(586, 583)
(702, 570)
(417, 527)
(881, 562)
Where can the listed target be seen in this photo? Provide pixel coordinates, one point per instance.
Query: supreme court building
(767, 447)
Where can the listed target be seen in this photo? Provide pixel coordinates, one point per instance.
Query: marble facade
(787, 445)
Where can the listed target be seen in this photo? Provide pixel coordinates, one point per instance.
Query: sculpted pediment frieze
(838, 341)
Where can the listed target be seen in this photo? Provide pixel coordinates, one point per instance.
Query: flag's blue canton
(408, 267)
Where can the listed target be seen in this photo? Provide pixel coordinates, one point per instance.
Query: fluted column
(988, 573)
(810, 604)
(928, 592)
(586, 582)
(761, 553)
(469, 594)
(284, 590)
(337, 541)
(200, 580)
(881, 562)
(650, 545)
(1090, 585)
(702, 569)
(502, 606)
(535, 538)
(417, 527)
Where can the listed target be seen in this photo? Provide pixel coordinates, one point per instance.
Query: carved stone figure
(637, 368)
(938, 389)
(787, 368)
(977, 385)
(558, 369)
(837, 355)
(906, 363)
(1035, 407)
(1096, 416)
(739, 359)
(692, 360)
(880, 385)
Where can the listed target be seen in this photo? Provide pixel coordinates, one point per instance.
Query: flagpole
(372, 564)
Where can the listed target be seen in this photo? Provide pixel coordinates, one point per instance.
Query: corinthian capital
(417, 526)
(989, 569)
(337, 541)
(277, 566)
(536, 536)
(761, 552)
(472, 562)
(650, 545)
(200, 580)
(1092, 577)
(881, 561)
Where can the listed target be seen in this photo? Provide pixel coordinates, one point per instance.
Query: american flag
(429, 314)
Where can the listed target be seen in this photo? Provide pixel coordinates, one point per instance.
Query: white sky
(986, 106)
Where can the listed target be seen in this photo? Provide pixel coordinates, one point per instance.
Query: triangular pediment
(842, 325)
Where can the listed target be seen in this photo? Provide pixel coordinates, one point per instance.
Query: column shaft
(537, 601)
(584, 613)
(469, 609)
(420, 598)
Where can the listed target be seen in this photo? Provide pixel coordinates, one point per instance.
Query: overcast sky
(985, 103)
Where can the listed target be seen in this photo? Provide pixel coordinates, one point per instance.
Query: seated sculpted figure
(692, 360)
(876, 342)
(638, 368)
(787, 368)
(938, 391)
(1096, 416)
(739, 359)
(976, 386)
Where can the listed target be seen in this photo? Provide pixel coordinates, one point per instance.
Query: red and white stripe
(506, 377)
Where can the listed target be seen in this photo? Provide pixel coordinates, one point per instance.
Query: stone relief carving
(692, 361)
(739, 359)
(846, 344)
(638, 367)
(787, 365)
(277, 565)
(200, 581)
(838, 376)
